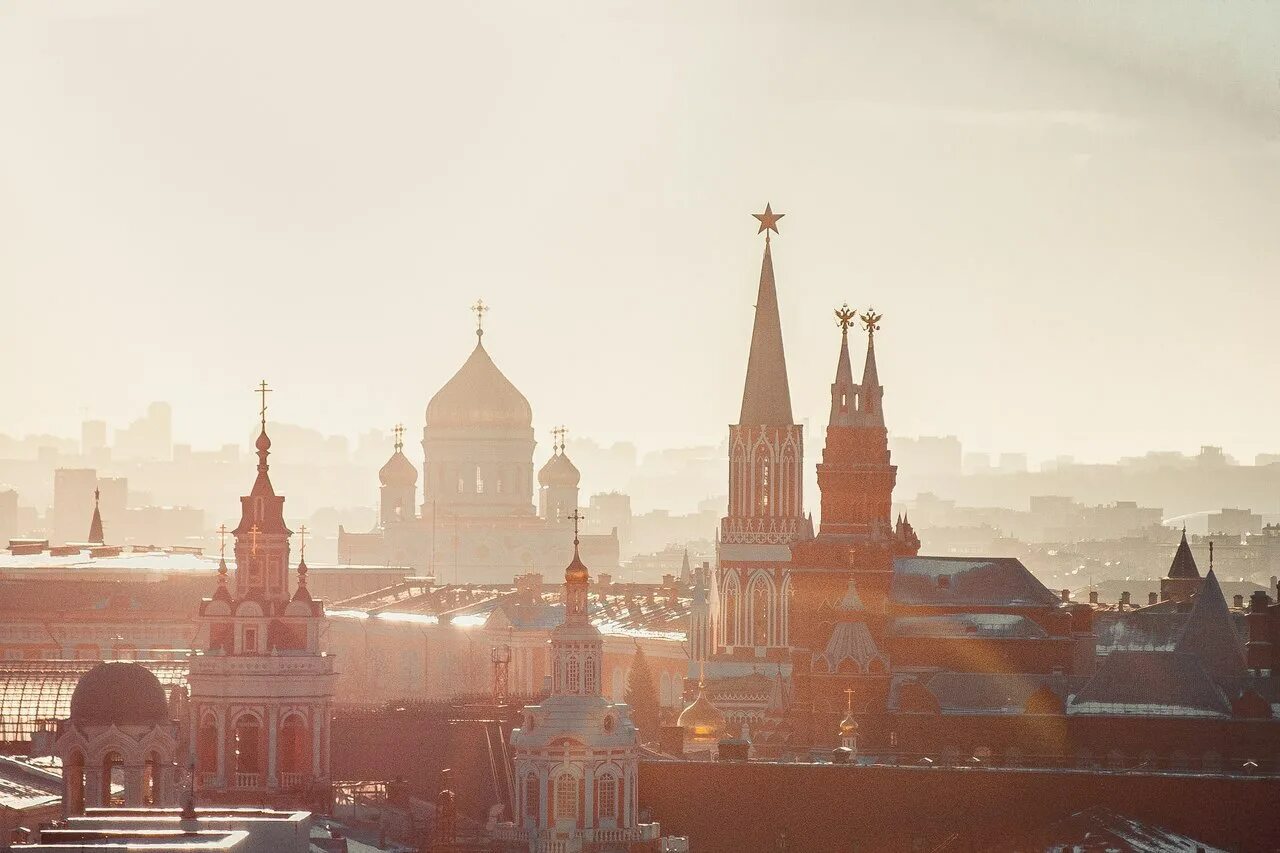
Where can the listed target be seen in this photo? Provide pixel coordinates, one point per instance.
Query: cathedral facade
(477, 521)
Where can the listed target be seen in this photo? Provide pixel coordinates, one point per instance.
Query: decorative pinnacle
(575, 518)
(264, 391)
(768, 221)
(871, 321)
(479, 309)
(845, 317)
(399, 431)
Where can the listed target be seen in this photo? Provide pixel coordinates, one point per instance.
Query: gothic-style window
(788, 604)
(573, 674)
(479, 481)
(531, 791)
(566, 797)
(589, 677)
(765, 485)
(607, 796)
(760, 613)
(731, 602)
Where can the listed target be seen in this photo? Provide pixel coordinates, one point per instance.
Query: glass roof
(36, 690)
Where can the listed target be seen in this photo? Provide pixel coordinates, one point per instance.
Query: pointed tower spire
(302, 593)
(766, 396)
(95, 524)
(871, 392)
(686, 573)
(844, 394)
(1184, 563)
(222, 592)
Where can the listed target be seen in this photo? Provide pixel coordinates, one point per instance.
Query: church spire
(766, 397)
(95, 525)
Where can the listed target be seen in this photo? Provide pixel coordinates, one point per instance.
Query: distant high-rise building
(93, 437)
(73, 503)
(149, 437)
(611, 511)
(8, 515)
(1235, 522)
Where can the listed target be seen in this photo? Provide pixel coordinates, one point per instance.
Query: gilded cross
(302, 542)
(222, 541)
(480, 309)
(399, 431)
(575, 518)
(845, 317)
(558, 440)
(253, 539)
(264, 391)
(848, 700)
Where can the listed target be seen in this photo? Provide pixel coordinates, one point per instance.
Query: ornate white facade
(576, 754)
(261, 689)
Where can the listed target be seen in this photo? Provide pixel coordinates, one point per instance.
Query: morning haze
(315, 194)
(639, 427)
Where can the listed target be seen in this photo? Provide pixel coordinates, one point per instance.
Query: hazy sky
(1069, 215)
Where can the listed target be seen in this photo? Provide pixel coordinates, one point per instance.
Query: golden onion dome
(848, 726)
(702, 719)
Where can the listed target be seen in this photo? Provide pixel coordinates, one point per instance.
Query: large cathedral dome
(479, 395)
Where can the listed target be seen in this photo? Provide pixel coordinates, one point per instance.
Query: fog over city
(639, 427)
(297, 190)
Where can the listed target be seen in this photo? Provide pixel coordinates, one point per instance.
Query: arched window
(479, 481)
(731, 605)
(788, 602)
(151, 779)
(207, 746)
(112, 779)
(589, 676)
(531, 795)
(761, 599)
(566, 797)
(248, 749)
(765, 484)
(294, 743)
(574, 674)
(73, 772)
(607, 796)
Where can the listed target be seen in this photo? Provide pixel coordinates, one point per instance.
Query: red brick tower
(766, 476)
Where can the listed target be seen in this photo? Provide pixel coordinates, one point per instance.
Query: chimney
(604, 579)
(1066, 596)
(1124, 600)
(1093, 596)
(668, 580)
(1237, 601)
(1152, 598)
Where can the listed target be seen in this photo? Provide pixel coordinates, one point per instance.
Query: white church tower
(576, 755)
(261, 688)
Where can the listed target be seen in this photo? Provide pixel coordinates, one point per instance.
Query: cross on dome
(576, 517)
(479, 309)
(399, 431)
(264, 391)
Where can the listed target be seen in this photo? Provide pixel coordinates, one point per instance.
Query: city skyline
(360, 251)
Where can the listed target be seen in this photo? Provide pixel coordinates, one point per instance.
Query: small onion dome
(559, 471)
(702, 719)
(398, 471)
(576, 571)
(121, 694)
(479, 395)
(848, 726)
(263, 443)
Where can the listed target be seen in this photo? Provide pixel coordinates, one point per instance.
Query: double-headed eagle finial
(871, 321)
(845, 317)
